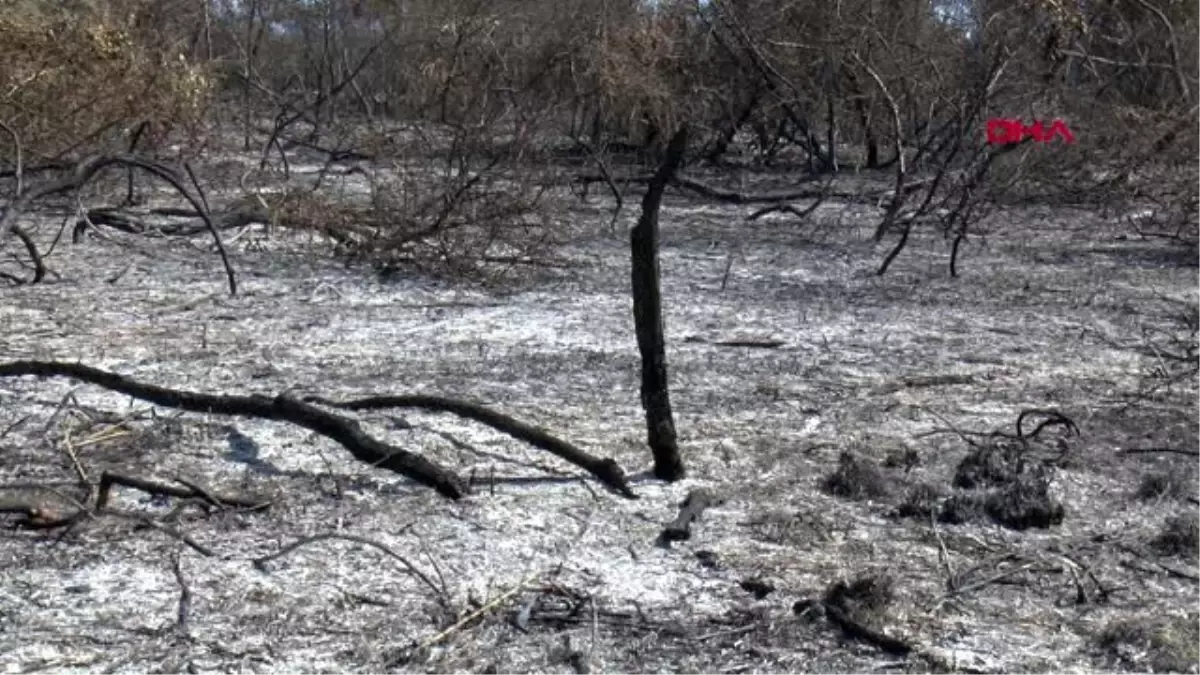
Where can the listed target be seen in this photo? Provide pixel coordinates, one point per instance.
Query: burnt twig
(690, 510)
(185, 597)
(439, 591)
(109, 479)
(859, 631)
(165, 529)
(608, 179)
(1169, 451)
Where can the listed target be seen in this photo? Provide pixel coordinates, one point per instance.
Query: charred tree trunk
(721, 146)
(871, 142)
(648, 321)
(863, 110)
(650, 140)
(831, 96)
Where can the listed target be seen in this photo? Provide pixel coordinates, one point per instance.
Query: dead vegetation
(935, 396)
(1158, 644)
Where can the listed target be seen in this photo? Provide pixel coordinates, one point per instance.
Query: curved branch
(897, 146)
(605, 469)
(39, 265)
(283, 408)
(83, 172)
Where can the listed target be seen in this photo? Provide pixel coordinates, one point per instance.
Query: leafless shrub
(463, 209)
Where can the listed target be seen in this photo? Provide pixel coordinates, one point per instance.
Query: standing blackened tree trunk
(648, 321)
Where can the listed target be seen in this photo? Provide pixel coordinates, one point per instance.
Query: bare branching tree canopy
(856, 217)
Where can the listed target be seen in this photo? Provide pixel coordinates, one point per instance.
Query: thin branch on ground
(1151, 451)
(190, 491)
(164, 528)
(440, 591)
(485, 609)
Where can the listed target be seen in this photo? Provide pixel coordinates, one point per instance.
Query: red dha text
(1004, 132)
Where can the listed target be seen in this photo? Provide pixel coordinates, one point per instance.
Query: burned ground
(905, 373)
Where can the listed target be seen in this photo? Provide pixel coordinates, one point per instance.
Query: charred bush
(991, 464)
(857, 479)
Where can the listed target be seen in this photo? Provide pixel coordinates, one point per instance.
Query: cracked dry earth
(1037, 319)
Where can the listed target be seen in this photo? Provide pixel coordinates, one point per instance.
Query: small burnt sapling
(648, 317)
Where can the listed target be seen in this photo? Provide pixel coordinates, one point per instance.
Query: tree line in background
(483, 91)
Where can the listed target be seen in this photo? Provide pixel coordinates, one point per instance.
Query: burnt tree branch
(83, 172)
(605, 469)
(720, 194)
(283, 408)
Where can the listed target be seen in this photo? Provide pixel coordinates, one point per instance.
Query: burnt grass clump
(1024, 503)
(1000, 482)
(864, 597)
(1179, 536)
(992, 464)
(922, 501)
(857, 479)
(1163, 485)
(1160, 645)
(996, 481)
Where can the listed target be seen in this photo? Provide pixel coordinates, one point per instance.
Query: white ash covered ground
(1052, 310)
